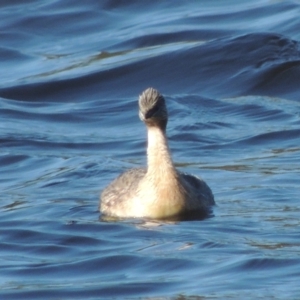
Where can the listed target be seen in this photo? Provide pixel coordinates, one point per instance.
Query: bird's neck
(160, 164)
(161, 188)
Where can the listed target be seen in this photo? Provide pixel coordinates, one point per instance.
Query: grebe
(158, 191)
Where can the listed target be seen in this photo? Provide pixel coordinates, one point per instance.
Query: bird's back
(199, 186)
(116, 195)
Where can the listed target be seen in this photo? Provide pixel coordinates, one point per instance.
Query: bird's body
(159, 191)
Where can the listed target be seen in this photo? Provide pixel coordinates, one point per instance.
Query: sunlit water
(71, 73)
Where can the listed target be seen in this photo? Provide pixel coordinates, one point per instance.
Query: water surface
(71, 73)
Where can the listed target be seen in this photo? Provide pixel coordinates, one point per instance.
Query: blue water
(71, 73)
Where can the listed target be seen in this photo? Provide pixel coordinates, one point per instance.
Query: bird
(159, 191)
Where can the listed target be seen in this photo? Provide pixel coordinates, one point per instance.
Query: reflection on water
(71, 76)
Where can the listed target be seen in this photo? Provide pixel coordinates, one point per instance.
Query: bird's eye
(152, 111)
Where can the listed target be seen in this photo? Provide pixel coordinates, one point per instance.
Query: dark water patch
(281, 135)
(279, 79)
(264, 264)
(233, 71)
(7, 3)
(93, 291)
(36, 142)
(11, 54)
(233, 75)
(8, 159)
